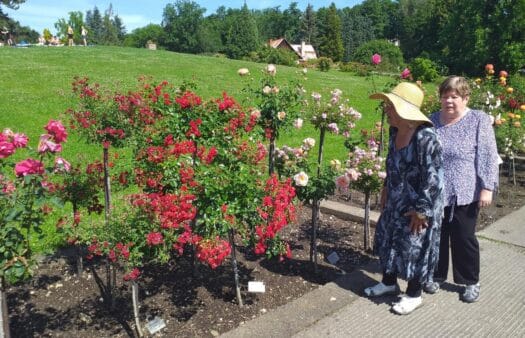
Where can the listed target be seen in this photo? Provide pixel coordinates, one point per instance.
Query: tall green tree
(308, 32)
(331, 42)
(243, 35)
(182, 23)
(75, 20)
(355, 31)
(94, 25)
(13, 4)
(292, 23)
(270, 23)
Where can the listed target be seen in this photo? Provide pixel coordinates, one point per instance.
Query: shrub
(354, 67)
(391, 55)
(424, 69)
(278, 56)
(324, 64)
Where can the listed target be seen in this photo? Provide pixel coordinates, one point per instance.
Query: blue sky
(40, 14)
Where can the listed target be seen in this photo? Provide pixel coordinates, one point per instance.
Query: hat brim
(404, 109)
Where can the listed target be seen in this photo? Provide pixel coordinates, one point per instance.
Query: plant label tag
(333, 258)
(256, 287)
(155, 325)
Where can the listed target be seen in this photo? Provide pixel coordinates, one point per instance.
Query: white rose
(271, 69)
(281, 115)
(243, 71)
(298, 123)
(301, 179)
(309, 142)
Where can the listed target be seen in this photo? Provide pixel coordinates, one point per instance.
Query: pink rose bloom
(62, 165)
(376, 59)
(352, 174)
(8, 188)
(154, 238)
(46, 144)
(405, 73)
(342, 183)
(57, 130)
(6, 149)
(333, 128)
(29, 167)
(20, 140)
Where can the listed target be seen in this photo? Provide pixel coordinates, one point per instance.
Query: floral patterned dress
(414, 182)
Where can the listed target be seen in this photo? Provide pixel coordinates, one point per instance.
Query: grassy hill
(36, 83)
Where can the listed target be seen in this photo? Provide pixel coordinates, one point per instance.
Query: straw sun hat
(406, 98)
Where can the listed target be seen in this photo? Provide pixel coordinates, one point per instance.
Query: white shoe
(406, 305)
(381, 289)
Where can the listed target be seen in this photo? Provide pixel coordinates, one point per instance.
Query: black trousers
(458, 234)
(414, 286)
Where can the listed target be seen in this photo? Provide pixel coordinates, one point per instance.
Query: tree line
(457, 35)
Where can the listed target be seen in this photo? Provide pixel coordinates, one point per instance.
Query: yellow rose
(517, 124)
(510, 90)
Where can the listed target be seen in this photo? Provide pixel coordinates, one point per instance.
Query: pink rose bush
(364, 170)
(25, 188)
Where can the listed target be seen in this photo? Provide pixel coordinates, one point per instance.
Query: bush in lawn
(324, 63)
(392, 57)
(424, 69)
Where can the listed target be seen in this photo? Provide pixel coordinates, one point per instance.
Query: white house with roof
(304, 51)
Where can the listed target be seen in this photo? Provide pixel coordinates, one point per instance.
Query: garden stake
(316, 204)
(80, 261)
(4, 314)
(110, 269)
(135, 299)
(271, 155)
(313, 239)
(235, 269)
(367, 221)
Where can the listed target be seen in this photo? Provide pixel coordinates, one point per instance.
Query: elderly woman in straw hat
(408, 231)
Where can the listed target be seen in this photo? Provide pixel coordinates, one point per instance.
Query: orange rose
(498, 122)
(522, 107)
(510, 115)
(517, 124)
(503, 73)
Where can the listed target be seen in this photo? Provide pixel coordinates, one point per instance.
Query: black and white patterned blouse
(470, 157)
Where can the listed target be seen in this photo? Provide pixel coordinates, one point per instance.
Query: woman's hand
(418, 222)
(485, 198)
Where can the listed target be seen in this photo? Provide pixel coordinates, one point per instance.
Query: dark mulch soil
(199, 302)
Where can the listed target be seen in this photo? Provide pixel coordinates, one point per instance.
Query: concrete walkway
(339, 309)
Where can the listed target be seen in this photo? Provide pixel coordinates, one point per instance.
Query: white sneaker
(381, 289)
(406, 305)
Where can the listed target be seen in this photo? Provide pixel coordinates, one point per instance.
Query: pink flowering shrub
(26, 188)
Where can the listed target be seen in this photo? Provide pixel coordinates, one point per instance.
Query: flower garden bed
(200, 303)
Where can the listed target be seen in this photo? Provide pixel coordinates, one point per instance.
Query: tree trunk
(271, 155)
(235, 269)
(135, 299)
(4, 313)
(313, 235)
(382, 135)
(316, 205)
(367, 222)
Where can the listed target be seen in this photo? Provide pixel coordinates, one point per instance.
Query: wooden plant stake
(135, 299)
(235, 268)
(4, 313)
